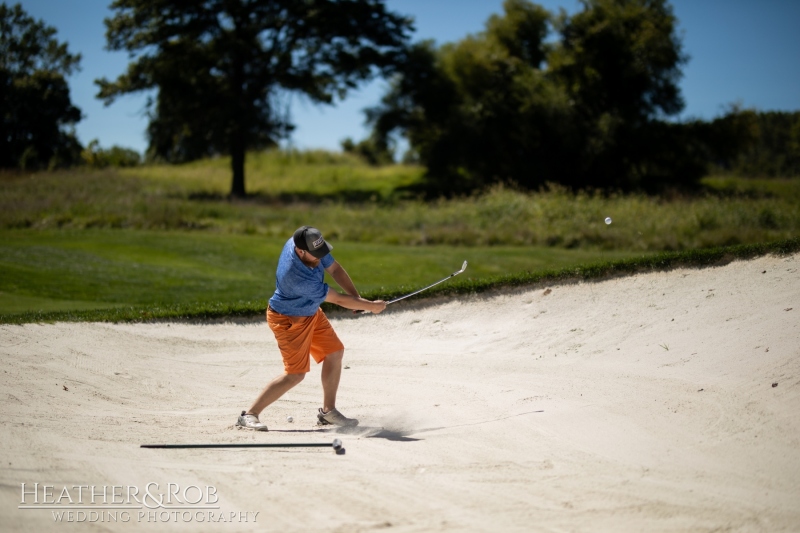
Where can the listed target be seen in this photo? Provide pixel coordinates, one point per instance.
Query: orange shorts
(301, 336)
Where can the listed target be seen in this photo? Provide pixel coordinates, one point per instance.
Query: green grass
(64, 270)
(14, 303)
(132, 268)
(461, 285)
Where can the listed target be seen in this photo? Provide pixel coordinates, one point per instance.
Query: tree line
(587, 100)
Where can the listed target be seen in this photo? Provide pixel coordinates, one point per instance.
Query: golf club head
(463, 267)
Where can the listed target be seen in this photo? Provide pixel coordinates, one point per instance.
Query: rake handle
(249, 445)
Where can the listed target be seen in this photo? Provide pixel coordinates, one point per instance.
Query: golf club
(456, 273)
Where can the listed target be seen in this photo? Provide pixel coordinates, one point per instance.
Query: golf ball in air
(289, 418)
(608, 220)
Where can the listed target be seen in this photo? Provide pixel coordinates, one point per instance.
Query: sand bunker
(660, 402)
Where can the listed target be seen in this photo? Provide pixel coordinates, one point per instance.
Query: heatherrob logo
(128, 503)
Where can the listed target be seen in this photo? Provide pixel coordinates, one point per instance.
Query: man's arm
(342, 278)
(350, 300)
(355, 302)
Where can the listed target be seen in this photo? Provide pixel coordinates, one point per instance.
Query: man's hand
(377, 306)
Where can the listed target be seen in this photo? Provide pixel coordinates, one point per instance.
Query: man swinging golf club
(302, 329)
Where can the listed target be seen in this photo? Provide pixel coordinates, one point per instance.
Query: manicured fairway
(85, 269)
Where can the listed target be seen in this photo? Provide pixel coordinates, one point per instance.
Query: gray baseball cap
(310, 239)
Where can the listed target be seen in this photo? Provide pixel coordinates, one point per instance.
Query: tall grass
(352, 201)
(556, 217)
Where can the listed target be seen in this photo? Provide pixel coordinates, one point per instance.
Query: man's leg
(275, 389)
(329, 350)
(293, 335)
(331, 372)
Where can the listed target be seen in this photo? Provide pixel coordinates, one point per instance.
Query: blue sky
(741, 51)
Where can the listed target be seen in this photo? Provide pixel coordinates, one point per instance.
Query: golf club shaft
(456, 273)
(423, 289)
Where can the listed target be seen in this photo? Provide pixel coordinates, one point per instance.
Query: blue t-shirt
(299, 289)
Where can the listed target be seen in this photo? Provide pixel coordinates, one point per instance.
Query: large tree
(479, 110)
(218, 65)
(34, 96)
(619, 63)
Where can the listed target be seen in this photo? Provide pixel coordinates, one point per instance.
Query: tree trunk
(238, 138)
(237, 164)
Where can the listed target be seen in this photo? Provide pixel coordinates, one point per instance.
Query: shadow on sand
(395, 435)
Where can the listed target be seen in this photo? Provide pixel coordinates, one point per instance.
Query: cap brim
(322, 251)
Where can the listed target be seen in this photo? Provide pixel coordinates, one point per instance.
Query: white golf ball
(289, 418)
(608, 220)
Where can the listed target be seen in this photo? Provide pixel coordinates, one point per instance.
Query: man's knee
(335, 356)
(294, 379)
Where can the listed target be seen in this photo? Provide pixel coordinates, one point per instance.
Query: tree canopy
(35, 101)
(220, 66)
(510, 104)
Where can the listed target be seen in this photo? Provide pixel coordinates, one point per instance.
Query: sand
(665, 401)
